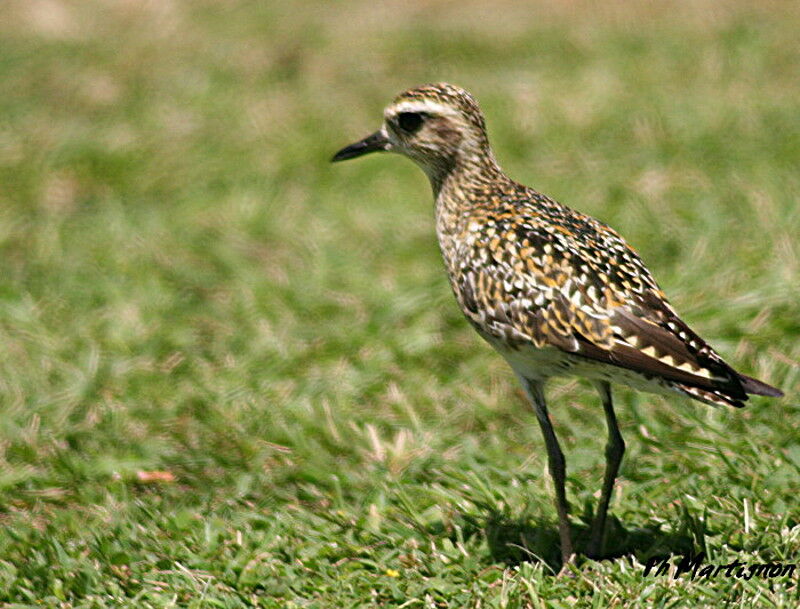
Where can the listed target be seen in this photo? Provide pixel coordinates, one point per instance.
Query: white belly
(541, 364)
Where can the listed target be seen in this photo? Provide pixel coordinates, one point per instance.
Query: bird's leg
(615, 448)
(555, 458)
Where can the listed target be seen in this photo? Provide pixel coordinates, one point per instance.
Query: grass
(187, 287)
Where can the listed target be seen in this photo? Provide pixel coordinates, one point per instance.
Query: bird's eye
(409, 121)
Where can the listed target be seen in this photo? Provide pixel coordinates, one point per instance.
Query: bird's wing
(579, 287)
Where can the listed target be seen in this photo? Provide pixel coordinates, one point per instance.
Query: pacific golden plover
(554, 291)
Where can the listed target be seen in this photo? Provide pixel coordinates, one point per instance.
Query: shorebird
(555, 292)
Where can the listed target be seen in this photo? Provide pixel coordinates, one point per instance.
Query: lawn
(233, 375)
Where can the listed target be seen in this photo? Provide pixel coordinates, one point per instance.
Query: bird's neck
(466, 171)
(458, 192)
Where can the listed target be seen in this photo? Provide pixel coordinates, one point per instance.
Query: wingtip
(756, 387)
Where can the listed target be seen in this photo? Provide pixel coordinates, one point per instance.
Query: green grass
(188, 286)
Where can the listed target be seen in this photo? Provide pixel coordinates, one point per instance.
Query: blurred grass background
(188, 287)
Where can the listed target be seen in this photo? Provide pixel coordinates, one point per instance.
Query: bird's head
(438, 126)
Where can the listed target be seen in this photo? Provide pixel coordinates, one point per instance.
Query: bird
(556, 292)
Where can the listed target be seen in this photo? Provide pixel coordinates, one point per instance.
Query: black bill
(371, 143)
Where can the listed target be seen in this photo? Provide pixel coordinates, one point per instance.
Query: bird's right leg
(555, 459)
(614, 451)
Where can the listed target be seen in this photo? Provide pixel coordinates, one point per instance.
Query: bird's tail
(712, 397)
(756, 387)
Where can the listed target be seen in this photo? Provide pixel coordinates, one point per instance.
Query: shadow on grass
(514, 541)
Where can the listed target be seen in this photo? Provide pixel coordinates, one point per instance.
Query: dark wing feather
(653, 351)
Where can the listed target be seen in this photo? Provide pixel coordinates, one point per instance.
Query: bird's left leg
(615, 448)
(555, 460)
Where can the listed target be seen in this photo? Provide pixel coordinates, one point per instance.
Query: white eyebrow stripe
(421, 105)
